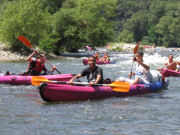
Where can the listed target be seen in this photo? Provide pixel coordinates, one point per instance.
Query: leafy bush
(23, 18)
(80, 22)
(126, 36)
(48, 43)
(117, 49)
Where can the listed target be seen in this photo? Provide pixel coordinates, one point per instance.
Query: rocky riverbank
(7, 55)
(125, 47)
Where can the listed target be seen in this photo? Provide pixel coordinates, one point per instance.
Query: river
(22, 111)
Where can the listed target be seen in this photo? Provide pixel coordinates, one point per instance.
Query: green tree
(172, 9)
(138, 24)
(157, 10)
(126, 36)
(168, 28)
(81, 22)
(152, 35)
(52, 6)
(23, 17)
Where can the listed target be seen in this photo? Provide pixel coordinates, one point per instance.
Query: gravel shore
(6, 55)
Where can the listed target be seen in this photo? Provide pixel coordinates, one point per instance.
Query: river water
(22, 111)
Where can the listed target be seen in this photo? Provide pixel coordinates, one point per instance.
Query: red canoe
(168, 73)
(59, 92)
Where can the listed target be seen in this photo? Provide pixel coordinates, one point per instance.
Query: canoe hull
(59, 92)
(26, 80)
(99, 62)
(168, 73)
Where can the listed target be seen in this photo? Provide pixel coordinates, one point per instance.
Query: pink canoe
(59, 92)
(100, 62)
(26, 80)
(168, 73)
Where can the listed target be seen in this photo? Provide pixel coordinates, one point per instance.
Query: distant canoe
(85, 54)
(100, 62)
(76, 54)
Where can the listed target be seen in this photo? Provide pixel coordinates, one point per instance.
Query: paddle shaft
(90, 49)
(64, 82)
(79, 83)
(131, 69)
(135, 50)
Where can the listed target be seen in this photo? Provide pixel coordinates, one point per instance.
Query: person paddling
(94, 73)
(142, 72)
(171, 64)
(97, 55)
(106, 57)
(36, 66)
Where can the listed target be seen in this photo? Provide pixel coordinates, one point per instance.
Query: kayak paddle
(116, 85)
(89, 48)
(135, 51)
(26, 42)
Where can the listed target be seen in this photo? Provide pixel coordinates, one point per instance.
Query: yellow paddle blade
(120, 86)
(37, 80)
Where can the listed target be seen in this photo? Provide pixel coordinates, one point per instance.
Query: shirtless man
(171, 64)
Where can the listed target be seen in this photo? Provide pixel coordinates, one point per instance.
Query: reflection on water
(22, 108)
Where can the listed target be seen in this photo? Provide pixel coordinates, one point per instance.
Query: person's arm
(76, 76)
(82, 74)
(177, 66)
(53, 68)
(162, 68)
(165, 64)
(169, 65)
(98, 79)
(108, 58)
(131, 74)
(147, 67)
(31, 55)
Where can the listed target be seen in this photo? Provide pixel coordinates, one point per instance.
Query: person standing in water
(94, 73)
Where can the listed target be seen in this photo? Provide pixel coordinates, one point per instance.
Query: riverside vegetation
(56, 26)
